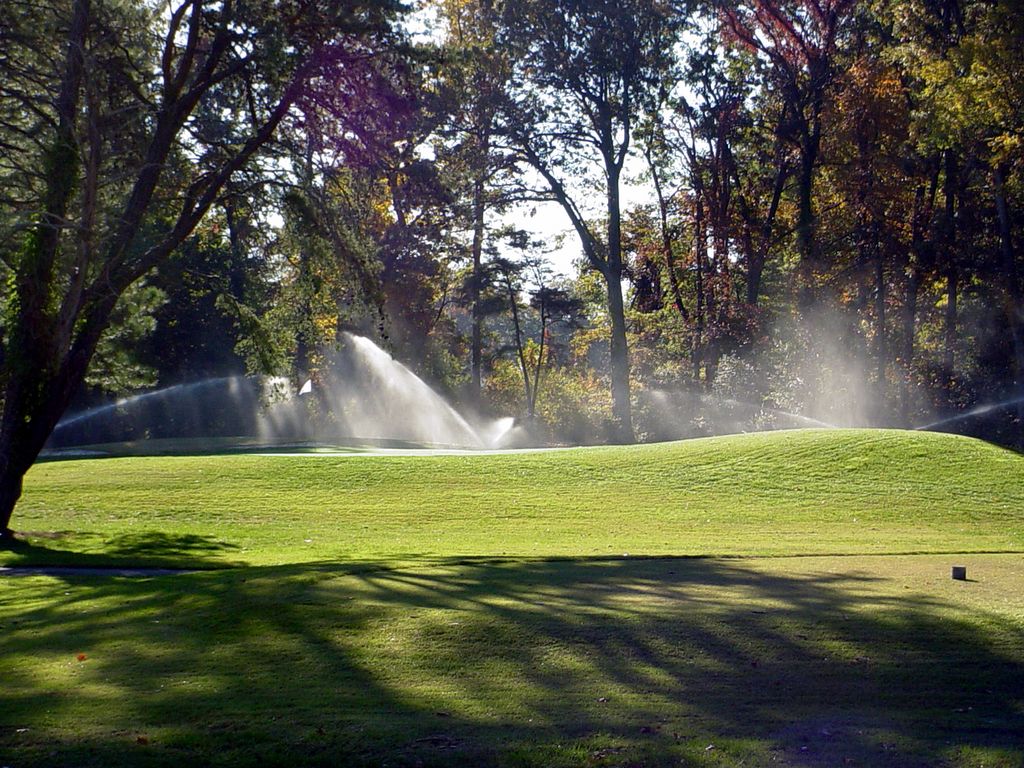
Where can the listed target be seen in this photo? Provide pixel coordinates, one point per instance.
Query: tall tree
(800, 40)
(551, 304)
(477, 73)
(583, 74)
(120, 126)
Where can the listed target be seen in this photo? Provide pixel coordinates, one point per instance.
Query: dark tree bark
(524, 369)
(33, 398)
(806, 223)
(619, 352)
(881, 344)
(699, 262)
(952, 278)
(476, 280)
(908, 321)
(667, 245)
(541, 343)
(919, 261)
(950, 272)
(756, 254)
(1011, 277)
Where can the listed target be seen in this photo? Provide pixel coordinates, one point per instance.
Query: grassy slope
(805, 492)
(397, 636)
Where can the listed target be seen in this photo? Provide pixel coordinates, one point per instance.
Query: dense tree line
(806, 206)
(829, 222)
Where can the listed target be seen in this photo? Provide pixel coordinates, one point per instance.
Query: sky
(548, 221)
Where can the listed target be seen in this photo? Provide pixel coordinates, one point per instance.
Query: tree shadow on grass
(176, 547)
(148, 549)
(506, 662)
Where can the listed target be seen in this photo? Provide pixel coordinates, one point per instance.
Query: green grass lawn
(777, 599)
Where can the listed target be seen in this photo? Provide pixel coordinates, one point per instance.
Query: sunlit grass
(805, 492)
(482, 610)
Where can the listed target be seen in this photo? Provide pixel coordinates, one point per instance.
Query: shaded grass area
(145, 549)
(481, 610)
(784, 493)
(871, 661)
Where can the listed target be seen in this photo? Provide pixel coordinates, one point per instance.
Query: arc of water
(796, 416)
(979, 410)
(424, 410)
(126, 402)
(380, 398)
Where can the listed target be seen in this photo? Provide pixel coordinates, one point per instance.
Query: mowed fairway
(775, 599)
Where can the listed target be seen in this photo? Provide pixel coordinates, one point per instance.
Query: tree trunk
(21, 438)
(920, 259)
(666, 239)
(622, 410)
(10, 492)
(909, 323)
(54, 331)
(699, 259)
(911, 264)
(540, 360)
(520, 352)
(16, 456)
(756, 255)
(37, 393)
(805, 235)
(35, 353)
(881, 347)
(857, 325)
(474, 289)
(606, 259)
(949, 251)
(1015, 307)
(949, 355)
(755, 270)
(767, 227)
(619, 358)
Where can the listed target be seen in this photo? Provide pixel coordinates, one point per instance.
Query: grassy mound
(782, 493)
(480, 611)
